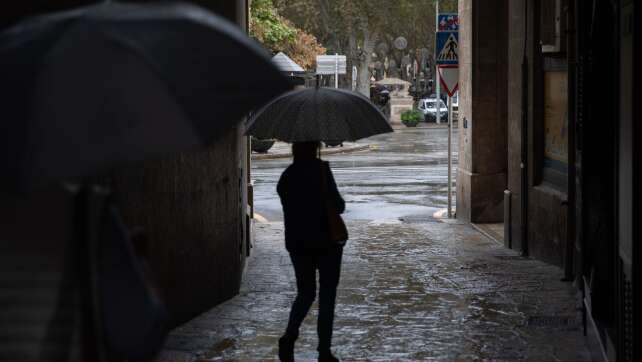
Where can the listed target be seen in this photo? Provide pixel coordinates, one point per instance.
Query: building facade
(550, 145)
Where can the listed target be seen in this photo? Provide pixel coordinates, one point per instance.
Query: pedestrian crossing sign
(447, 50)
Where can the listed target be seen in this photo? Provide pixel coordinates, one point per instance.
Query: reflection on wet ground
(411, 288)
(427, 291)
(406, 174)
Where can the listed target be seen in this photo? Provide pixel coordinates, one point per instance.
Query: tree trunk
(352, 54)
(363, 79)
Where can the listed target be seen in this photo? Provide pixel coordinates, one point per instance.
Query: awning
(285, 64)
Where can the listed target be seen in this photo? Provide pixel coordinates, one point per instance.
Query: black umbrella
(89, 89)
(318, 114)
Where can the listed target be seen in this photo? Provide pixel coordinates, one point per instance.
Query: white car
(455, 101)
(427, 106)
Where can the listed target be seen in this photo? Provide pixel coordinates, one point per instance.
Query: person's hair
(305, 150)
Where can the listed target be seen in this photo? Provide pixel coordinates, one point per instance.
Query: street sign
(447, 48)
(449, 77)
(448, 22)
(331, 64)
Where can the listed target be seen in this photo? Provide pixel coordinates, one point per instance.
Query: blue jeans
(306, 263)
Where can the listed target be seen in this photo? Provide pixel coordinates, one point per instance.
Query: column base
(480, 197)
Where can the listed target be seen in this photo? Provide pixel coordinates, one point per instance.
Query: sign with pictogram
(447, 50)
(449, 78)
(448, 22)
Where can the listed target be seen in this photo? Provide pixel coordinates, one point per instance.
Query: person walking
(306, 188)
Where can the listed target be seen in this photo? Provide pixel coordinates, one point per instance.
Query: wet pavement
(404, 175)
(423, 291)
(417, 289)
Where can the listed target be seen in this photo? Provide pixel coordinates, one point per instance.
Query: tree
(346, 26)
(281, 35)
(355, 27)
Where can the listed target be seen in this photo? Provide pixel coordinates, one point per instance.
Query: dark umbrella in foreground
(318, 114)
(89, 89)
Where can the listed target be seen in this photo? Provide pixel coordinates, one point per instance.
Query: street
(405, 176)
(412, 287)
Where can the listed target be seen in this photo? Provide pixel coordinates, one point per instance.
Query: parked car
(427, 106)
(455, 101)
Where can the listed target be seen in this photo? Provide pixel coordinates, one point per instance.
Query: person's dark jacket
(304, 208)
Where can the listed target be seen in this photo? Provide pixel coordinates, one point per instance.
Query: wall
(547, 204)
(190, 206)
(516, 32)
(481, 177)
(193, 208)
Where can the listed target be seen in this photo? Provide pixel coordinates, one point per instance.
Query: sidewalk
(409, 291)
(284, 150)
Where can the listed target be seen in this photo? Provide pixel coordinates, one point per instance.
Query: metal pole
(336, 70)
(438, 86)
(450, 155)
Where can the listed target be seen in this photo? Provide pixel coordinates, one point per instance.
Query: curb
(487, 234)
(327, 151)
(424, 125)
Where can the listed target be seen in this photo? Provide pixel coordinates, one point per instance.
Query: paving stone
(421, 291)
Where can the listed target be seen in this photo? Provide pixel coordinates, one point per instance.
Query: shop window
(555, 158)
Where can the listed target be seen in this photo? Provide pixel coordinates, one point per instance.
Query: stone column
(481, 177)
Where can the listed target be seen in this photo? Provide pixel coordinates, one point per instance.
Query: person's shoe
(286, 349)
(327, 356)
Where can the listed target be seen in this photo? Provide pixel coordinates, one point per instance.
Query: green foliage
(356, 27)
(334, 21)
(267, 26)
(280, 35)
(411, 117)
(447, 6)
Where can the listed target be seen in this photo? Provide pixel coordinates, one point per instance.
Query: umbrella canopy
(318, 114)
(92, 88)
(285, 64)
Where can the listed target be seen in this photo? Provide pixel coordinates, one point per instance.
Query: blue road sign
(448, 22)
(447, 49)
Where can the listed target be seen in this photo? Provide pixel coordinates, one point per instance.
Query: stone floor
(427, 291)
(494, 231)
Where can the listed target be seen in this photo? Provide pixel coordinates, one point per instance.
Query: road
(404, 176)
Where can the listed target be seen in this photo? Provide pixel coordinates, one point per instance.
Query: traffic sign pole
(446, 61)
(437, 89)
(450, 77)
(450, 156)
(438, 92)
(336, 70)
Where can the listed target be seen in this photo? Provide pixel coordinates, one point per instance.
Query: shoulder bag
(337, 231)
